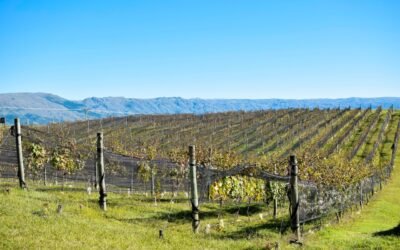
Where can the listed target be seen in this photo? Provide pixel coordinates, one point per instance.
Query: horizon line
(203, 98)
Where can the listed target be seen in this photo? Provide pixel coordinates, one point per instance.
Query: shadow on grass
(133, 220)
(185, 216)
(391, 232)
(243, 210)
(40, 213)
(60, 189)
(242, 232)
(180, 217)
(254, 231)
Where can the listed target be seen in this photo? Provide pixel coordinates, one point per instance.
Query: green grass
(29, 220)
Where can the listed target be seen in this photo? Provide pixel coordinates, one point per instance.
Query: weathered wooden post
(20, 157)
(101, 174)
(96, 174)
(275, 214)
(194, 197)
(45, 175)
(294, 201)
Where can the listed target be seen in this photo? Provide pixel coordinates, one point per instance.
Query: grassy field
(29, 219)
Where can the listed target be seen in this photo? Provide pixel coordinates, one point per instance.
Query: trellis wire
(316, 201)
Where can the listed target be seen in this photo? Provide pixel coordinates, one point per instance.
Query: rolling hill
(42, 108)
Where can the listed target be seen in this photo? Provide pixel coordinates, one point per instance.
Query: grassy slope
(358, 229)
(28, 220)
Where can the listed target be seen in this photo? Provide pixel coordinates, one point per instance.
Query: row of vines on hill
(262, 138)
(62, 151)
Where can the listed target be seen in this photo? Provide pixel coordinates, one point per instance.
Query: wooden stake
(194, 196)
(132, 175)
(100, 167)
(275, 199)
(361, 195)
(295, 216)
(96, 174)
(18, 140)
(45, 175)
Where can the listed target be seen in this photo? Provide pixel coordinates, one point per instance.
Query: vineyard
(244, 177)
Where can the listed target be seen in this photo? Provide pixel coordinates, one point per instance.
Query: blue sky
(206, 49)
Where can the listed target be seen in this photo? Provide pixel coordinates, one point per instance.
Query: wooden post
(153, 183)
(45, 175)
(208, 184)
(101, 174)
(132, 174)
(161, 234)
(361, 195)
(294, 201)
(96, 174)
(194, 197)
(275, 199)
(21, 171)
(275, 213)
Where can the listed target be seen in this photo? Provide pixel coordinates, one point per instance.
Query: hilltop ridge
(43, 107)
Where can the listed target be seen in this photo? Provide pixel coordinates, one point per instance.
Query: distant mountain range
(41, 108)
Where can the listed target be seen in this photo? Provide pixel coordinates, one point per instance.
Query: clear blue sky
(207, 49)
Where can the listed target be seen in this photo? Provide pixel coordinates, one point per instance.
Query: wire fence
(170, 179)
(319, 201)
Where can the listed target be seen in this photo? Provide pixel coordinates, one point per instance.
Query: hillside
(376, 227)
(42, 108)
(133, 219)
(355, 138)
